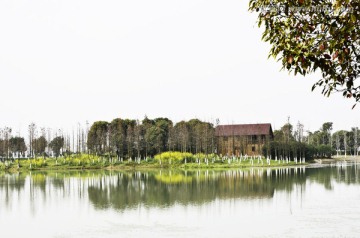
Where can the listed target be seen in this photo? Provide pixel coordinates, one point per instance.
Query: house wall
(237, 145)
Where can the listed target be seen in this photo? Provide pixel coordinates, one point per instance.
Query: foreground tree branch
(310, 35)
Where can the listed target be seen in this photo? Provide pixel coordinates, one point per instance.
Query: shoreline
(338, 159)
(101, 163)
(51, 165)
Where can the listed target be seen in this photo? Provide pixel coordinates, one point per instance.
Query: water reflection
(166, 188)
(348, 173)
(125, 190)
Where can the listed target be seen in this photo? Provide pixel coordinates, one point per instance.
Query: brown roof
(244, 130)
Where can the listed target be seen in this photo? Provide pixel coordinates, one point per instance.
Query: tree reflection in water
(126, 190)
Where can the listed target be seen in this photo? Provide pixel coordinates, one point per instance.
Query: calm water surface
(301, 202)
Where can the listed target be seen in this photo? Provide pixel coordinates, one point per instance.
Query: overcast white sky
(68, 61)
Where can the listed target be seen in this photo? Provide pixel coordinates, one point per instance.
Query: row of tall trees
(291, 141)
(343, 142)
(5, 136)
(129, 138)
(346, 142)
(43, 142)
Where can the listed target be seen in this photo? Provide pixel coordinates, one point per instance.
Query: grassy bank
(81, 162)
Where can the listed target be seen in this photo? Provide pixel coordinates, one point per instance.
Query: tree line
(127, 138)
(123, 138)
(131, 138)
(290, 141)
(40, 142)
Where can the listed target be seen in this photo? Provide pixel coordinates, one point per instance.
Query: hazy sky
(68, 61)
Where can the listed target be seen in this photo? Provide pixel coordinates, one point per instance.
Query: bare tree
(345, 142)
(48, 139)
(5, 141)
(32, 136)
(299, 132)
(337, 144)
(138, 138)
(130, 140)
(356, 146)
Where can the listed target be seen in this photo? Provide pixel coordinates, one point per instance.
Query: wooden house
(243, 139)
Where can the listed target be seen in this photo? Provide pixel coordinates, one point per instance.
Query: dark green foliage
(17, 144)
(297, 150)
(57, 144)
(322, 136)
(346, 142)
(316, 145)
(127, 138)
(97, 137)
(158, 135)
(324, 151)
(310, 35)
(120, 134)
(195, 136)
(40, 145)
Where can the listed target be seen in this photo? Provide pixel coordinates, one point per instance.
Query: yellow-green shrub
(174, 157)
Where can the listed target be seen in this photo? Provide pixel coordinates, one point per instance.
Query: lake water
(288, 202)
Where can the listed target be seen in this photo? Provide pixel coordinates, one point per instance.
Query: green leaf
(353, 18)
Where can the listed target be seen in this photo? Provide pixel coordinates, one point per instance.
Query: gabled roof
(244, 130)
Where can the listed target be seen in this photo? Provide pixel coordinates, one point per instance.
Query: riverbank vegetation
(127, 140)
(292, 142)
(167, 160)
